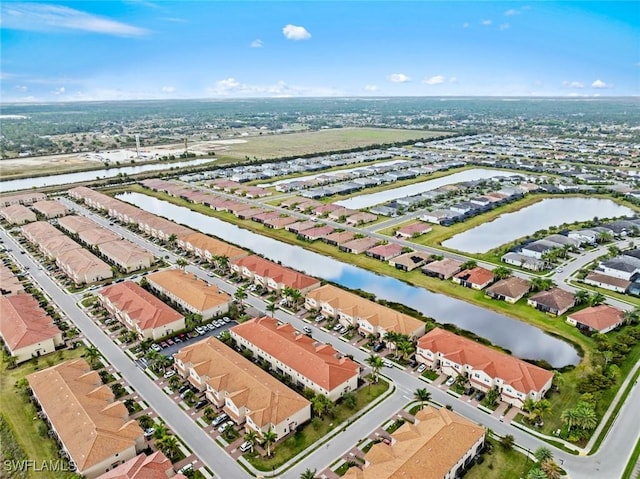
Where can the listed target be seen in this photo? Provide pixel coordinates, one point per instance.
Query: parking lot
(210, 330)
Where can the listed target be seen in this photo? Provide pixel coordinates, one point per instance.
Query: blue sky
(110, 50)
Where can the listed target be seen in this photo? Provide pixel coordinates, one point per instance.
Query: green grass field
(501, 464)
(291, 144)
(21, 414)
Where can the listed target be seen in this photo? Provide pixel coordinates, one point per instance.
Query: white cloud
(295, 32)
(511, 12)
(257, 43)
(600, 84)
(21, 88)
(399, 78)
(435, 80)
(504, 26)
(59, 91)
(168, 89)
(42, 17)
(572, 84)
(370, 88)
(486, 23)
(230, 87)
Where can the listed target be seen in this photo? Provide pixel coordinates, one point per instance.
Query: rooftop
(598, 317)
(193, 291)
(24, 322)
(268, 269)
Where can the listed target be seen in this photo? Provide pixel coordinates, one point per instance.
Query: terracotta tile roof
(358, 307)
(213, 245)
(555, 298)
(318, 231)
(154, 466)
(40, 230)
(76, 224)
(83, 263)
(360, 244)
(414, 228)
(598, 317)
(267, 400)
(24, 198)
(91, 425)
(50, 208)
(18, 214)
(340, 237)
(9, 283)
(141, 306)
(24, 322)
(193, 291)
(446, 267)
(281, 221)
(54, 246)
(125, 252)
(477, 275)
(316, 361)
(280, 274)
(428, 449)
(522, 376)
(385, 250)
(96, 236)
(512, 287)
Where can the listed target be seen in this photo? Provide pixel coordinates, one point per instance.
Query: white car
(450, 381)
(421, 368)
(224, 425)
(156, 347)
(245, 446)
(169, 373)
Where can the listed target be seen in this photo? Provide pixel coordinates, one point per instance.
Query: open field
(19, 412)
(501, 463)
(291, 144)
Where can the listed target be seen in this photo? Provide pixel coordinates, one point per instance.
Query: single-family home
(154, 466)
(410, 261)
(190, 292)
(26, 329)
(361, 218)
(475, 278)
(339, 237)
(439, 444)
(538, 249)
(555, 301)
(247, 393)
(140, 311)
(412, 230)
(623, 267)
(602, 318)
(92, 427)
(607, 282)
(510, 289)
(485, 367)
(384, 252)
(316, 233)
(358, 245)
(524, 262)
(308, 363)
(442, 269)
(584, 236)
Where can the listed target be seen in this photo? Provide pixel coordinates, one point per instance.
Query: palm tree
(308, 474)
(541, 284)
(406, 347)
(182, 263)
(271, 307)
(582, 297)
(543, 454)
(540, 408)
(502, 272)
(240, 295)
(470, 264)
(391, 337)
(529, 404)
(251, 437)
(160, 431)
(93, 356)
(551, 469)
(536, 473)
(570, 418)
(376, 364)
(587, 419)
(294, 296)
(597, 298)
(422, 395)
(223, 263)
(169, 446)
(629, 317)
(268, 438)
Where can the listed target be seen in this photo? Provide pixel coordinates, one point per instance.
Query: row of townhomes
(308, 363)
(247, 393)
(367, 316)
(190, 293)
(140, 310)
(438, 445)
(93, 428)
(273, 276)
(485, 367)
(19, 214)
(26, 329)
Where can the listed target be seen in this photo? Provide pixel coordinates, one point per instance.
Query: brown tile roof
(23, 321)
(18, 214)
(281, 221)
(385, 250)
(154, 466)
(555, 298)
(606, 279)
(410, 259)
(358, 307)
(196, 292)
(50, 208)
(598, 317)
(57, 245)
(141, 306)
(125, 252)
(428, 449)
(268, 400)
(91, 425)
(280, 274)
(414, 228)
(316, 361)
(522, 376)
(96, 236)
(512, 287)
(82, 262)
(477, 275)
(360, 244)
(446, 267)
(75, 224)
(213, 245)
(40, 230)
(24, 198)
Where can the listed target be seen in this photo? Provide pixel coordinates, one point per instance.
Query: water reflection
(521, 339)
(364, 201)
(53, 180)
(542, 215)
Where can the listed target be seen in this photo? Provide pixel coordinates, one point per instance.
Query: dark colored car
(378, 347)
(480, 396)
(201, 404)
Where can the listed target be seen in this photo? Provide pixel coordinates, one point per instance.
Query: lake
(68, 178)
(548, 212)
(522, 339)
(365, 201)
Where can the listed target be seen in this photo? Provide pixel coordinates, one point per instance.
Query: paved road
(611, 457)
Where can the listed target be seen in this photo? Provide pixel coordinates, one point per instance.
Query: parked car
(245, 446)
(307, 329)
(319, 318)
(378, 347)
(226, 319)
(184, 389)
(201, 404)
(156, 347)
(225, 425)
(450, 381)
(337, 326)
(220, 419)
(421, 368)
(469, 392)
(342, 330)
(480, 396)
(149, 432)
(387, 363)
(169, 373)
(170, 342)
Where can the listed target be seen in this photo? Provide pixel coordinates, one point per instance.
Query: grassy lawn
(20, 413)
(607, 292)
(501, 464)
(633, 460)
(308, 142)
(310, 434)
